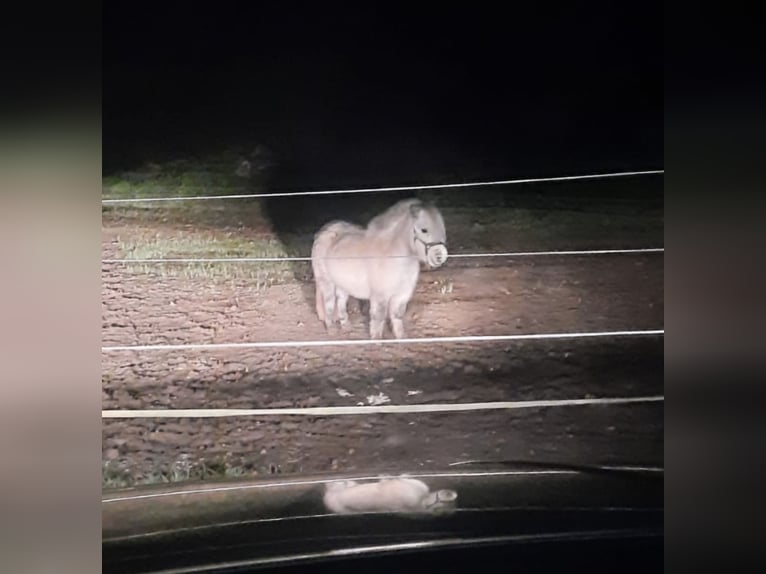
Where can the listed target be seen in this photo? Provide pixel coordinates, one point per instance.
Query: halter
(438, 256)
(440, 502)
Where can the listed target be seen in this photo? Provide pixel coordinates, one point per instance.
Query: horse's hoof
(398, 330)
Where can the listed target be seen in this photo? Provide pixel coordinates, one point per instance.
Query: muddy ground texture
(158, 304)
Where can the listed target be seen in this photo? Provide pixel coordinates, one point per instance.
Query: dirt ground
(466, 297)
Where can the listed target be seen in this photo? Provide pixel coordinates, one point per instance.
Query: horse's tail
(319, 301)
(324, 239)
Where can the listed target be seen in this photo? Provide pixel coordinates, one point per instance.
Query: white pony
(379, 263)
(398, 495)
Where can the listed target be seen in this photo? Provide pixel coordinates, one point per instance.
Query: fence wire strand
(112, 201)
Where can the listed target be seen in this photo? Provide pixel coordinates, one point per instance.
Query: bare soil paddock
(498, 296)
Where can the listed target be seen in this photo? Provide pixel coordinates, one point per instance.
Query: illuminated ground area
(221, 303)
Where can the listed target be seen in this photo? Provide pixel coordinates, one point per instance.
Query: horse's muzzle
(436, 254)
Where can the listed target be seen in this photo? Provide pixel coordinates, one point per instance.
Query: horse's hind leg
(397, 309)
(341, 302)
(328, 299)
(377, 318)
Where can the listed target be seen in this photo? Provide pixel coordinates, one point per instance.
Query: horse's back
(329, 234)
(337, 228)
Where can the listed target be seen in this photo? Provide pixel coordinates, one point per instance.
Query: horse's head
(430, 235)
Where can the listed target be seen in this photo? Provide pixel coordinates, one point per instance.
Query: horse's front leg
(377, 318)
(397, 310)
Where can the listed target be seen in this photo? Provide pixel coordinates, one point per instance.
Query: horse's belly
(395, 278)
(353, 279)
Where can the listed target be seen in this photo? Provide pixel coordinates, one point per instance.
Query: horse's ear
(415, 209)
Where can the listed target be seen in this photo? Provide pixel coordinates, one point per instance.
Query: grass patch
(485, 229)
(263, 274)
(177, 178)
(215, 177)
(116, 475)
(444, 286)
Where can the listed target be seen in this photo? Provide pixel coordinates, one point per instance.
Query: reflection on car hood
(268, 517)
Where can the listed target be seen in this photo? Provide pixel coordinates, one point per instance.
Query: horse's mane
(392, 216)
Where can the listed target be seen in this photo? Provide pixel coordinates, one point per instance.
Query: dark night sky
(382, 92)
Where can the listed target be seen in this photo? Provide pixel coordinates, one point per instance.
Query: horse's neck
(390, 217)
(400, 233)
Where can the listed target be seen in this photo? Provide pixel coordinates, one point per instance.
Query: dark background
(386, 93)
